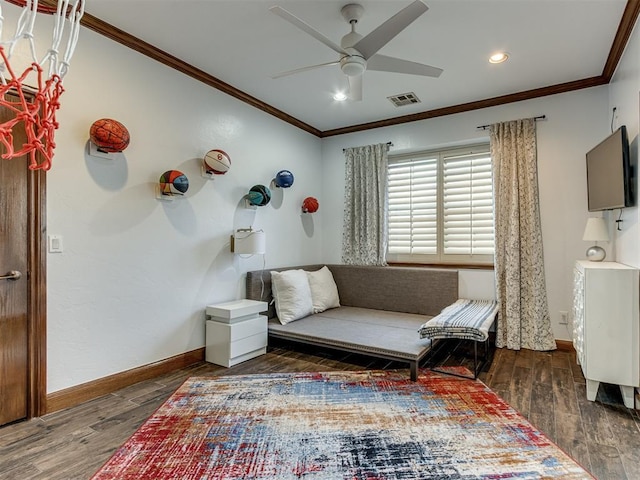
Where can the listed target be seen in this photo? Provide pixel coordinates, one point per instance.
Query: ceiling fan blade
(382, 63)
(305, 27)
(355, 88)
(303, 69)
(377, 39)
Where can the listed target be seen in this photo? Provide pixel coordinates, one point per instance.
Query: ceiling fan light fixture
(353, 66)
(499, 57)
(353, 69)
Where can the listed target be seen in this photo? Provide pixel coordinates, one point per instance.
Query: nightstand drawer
(247, 345)
(248, 328)
(228, 344)
(224, 332)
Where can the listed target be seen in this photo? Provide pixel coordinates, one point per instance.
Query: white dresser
(606, 334)
(235, 332)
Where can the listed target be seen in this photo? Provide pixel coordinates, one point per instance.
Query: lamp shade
(596, 230)
(249, 242)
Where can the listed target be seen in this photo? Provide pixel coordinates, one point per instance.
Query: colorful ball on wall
(217, 162)
(259, 195)
(110, 136)
(173, 182)
(284, 179)
(310, 205)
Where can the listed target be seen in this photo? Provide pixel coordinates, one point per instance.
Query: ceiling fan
(358, 53)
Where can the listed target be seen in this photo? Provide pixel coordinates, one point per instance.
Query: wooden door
(22, 289)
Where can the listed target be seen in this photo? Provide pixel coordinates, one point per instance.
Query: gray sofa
(381, 310)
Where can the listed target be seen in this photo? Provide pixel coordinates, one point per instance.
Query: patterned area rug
(371, 425)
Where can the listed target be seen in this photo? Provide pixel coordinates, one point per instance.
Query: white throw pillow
(292, 295)
(324, 292)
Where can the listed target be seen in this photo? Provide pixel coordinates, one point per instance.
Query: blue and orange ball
(173, 182)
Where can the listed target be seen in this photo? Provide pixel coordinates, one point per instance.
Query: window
(441, 207)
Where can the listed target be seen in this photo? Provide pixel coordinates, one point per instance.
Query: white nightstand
(235, 332)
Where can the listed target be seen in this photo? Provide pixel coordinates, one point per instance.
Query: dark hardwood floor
(547, 388)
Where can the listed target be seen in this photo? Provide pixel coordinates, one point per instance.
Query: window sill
(453, 266)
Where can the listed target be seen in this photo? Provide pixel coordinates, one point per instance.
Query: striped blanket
(465, 319)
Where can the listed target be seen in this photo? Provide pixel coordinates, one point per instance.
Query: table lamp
(596, 231)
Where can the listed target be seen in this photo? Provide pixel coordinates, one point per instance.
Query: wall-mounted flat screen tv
(609, 173)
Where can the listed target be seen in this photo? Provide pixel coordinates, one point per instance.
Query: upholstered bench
(465, 319)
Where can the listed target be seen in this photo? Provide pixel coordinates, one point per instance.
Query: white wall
(136, 273)
(623, 95)
(575, 122)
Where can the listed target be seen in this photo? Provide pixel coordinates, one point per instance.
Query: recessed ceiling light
(498, 57)
(340, 97)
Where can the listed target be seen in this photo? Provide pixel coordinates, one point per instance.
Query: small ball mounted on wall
(310, 205)
(106, 137)
(258, 196)
(215, 162)
(172, 184)
(283, 179)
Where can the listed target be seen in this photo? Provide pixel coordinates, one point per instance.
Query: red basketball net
(37, 111)
(37, 115)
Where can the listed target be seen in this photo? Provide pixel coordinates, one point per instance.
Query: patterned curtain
(364, 233)
(524, 313)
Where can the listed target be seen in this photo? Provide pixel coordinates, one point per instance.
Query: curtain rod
(388, 143)
(540, 117)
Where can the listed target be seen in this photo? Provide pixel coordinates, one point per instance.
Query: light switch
(55, 243)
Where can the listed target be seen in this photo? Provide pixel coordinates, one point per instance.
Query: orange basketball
(310, 205)
(109, 135)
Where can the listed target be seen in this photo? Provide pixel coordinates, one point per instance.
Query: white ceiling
(243, 44)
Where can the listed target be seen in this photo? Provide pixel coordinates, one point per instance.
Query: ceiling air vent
(404, 99)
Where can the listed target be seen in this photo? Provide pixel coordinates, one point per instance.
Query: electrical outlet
(564, 318)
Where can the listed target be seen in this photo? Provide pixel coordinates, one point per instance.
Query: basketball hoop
(36, 108)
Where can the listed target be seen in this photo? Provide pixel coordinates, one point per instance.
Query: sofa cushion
(373, 332)
(292, 295)
(324, 292)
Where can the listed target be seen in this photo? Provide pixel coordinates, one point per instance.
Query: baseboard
(72, 396)
(565, 346)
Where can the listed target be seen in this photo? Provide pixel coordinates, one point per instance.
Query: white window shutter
(413, 206)
(441, 207)
(467, 205)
